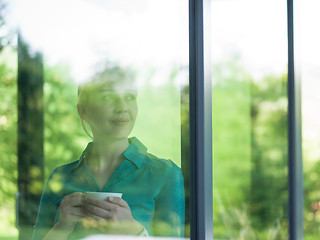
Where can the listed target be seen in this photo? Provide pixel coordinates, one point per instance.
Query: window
(216, 84)
(249, 78)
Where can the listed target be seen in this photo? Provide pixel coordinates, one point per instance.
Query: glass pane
(101, 99)
(309, 51)
(249, 55)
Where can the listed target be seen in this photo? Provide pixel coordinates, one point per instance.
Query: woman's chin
(116, 136)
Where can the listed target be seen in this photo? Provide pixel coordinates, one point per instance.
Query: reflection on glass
(103, 62)
(152, 190)
(8, 136)
(309, 52)
(249, 55)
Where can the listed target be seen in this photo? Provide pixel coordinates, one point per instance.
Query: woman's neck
(106, 153)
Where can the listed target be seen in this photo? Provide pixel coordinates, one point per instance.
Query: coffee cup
(103, 195)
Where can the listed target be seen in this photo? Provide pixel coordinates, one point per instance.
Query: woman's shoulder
(161, 165)
(140, 155)
(167, 175)
(66, 168)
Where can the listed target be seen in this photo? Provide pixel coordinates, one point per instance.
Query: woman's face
(112, 110)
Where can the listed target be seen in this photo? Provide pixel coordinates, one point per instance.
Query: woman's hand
(71, 211)
(112, 216)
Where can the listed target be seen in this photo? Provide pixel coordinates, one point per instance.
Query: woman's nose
(120, 106)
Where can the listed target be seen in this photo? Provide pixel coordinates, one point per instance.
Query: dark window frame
(201, 189)
(295, 165)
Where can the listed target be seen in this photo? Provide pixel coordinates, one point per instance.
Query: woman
(153, 192)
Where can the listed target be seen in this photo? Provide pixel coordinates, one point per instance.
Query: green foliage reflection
(250, 147)
(8, 139)
(250, 154)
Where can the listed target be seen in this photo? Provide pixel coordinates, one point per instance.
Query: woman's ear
(82, 112)
(84, 117)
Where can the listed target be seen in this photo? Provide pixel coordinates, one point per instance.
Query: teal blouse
(153, 188)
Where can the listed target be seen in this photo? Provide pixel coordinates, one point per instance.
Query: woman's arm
(46, 213)
(59, 231)
(170, 205)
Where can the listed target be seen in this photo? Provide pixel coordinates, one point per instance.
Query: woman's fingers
(111, 204)
(105, 209)
(71, 210)
(95, 217)
(97, 211)
(75, 194)
(71, 207)
(99, 203)
(118, 201)
(66, 210)
(74, 199)
(111, 216)
(76, 211)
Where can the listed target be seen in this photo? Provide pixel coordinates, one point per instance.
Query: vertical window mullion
(200, 120)
(296, 196)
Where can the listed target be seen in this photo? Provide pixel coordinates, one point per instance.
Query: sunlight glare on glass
(82, 32)
(242, 28)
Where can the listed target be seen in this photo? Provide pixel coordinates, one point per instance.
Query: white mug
(103, 195)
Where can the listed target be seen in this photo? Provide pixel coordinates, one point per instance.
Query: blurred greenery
(8, 140)
(250, 153)
(64, 136)
(249, 143)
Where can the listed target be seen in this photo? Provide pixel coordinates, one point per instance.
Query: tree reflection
(250, 154)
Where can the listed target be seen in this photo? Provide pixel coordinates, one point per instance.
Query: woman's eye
(130, 97)
(108, 97)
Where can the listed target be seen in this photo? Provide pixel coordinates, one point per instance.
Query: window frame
(200, 115)
(201, 186)
(295, 165)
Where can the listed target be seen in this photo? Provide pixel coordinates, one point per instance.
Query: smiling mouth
(120, 122)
